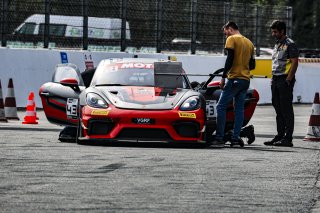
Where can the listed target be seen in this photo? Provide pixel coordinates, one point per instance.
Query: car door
(60, 96)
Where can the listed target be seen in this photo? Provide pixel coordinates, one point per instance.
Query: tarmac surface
(40, 174)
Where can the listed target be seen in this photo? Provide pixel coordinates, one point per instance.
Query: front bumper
(121, 125)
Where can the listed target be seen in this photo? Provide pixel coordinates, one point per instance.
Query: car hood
(137, 97)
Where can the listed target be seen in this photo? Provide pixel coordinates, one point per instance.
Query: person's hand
(222, 83)
(288, 82)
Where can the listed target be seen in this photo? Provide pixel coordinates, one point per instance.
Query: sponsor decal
(99, 112)
(134, 65)
(187, 115)
(144, 91)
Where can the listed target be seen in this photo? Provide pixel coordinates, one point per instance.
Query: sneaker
(217, 143)
(284, 142)
(274, 140)
(237, 142)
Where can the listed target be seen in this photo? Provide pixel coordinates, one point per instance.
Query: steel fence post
(289, 21)
(85, 25)
(226, 18)
(123, 25)
(46, 24)
(159, 25)
(193, 26)
(258, 25)
(4, 24)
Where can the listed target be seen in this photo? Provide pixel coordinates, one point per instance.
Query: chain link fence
(192, 26)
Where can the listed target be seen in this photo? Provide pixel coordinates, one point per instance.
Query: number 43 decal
(72, 108)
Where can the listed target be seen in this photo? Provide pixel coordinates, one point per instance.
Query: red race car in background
(137, 99)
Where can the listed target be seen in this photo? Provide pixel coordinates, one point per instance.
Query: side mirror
(70, 82)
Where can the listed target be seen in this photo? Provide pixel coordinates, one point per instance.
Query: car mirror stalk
(70, 82)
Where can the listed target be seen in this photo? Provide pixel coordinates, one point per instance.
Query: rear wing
(169, 74)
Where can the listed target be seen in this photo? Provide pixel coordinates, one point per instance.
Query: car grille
(140, 133)
(100, 127)
(187, 129)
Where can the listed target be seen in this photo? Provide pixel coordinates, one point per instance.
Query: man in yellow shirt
(240, 60)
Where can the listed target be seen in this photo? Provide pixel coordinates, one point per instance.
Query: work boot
(284, 142)
(275, 139)
(235, 142)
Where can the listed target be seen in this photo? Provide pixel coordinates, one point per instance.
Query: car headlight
(191, 103)
(96, 101)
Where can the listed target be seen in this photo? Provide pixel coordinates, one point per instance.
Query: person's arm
(293, 54)
(252, 63)
(293, 68)
(229, 62)
(227, 66)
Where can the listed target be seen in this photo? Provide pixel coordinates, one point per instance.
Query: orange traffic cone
(34, 105)
(2, 114)
(10, 107)
(30, 117)
(313, 133)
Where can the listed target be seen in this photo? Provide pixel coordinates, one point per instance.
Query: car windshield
(135, 74)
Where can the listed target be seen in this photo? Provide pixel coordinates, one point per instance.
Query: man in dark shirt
(87, 76)
(284, 66)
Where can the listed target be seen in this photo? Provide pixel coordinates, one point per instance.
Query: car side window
(27, 29)
(66, 71)
(54, 29)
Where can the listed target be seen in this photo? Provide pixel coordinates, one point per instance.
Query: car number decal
(211, 108)
(71, 108)
(187, 115)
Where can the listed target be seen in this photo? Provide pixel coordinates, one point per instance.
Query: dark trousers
(282, 96)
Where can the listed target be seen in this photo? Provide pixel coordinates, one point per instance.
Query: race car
(133, 99)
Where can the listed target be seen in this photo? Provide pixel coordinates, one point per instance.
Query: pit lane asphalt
(40, 174)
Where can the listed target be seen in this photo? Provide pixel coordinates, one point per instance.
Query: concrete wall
(30, 68)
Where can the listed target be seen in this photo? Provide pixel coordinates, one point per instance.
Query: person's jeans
(237, 89)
